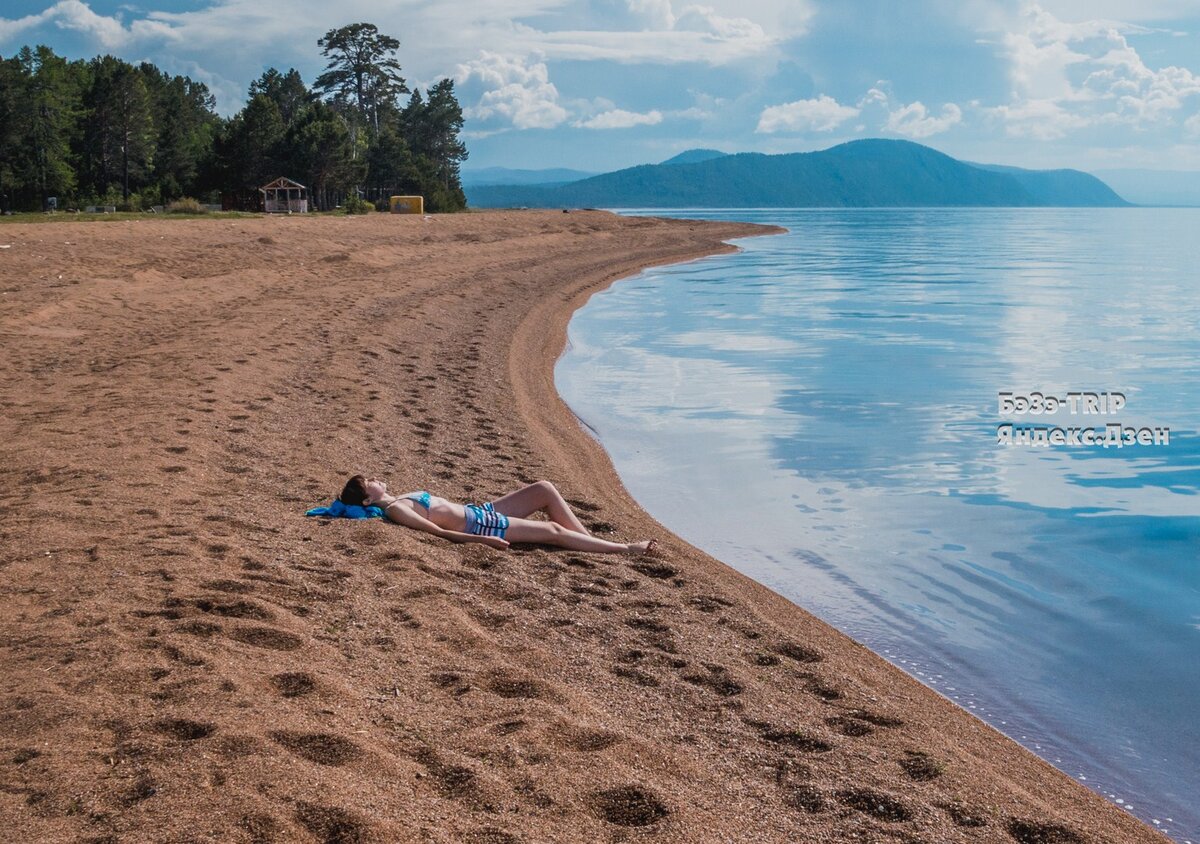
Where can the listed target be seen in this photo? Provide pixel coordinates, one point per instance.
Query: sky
(601, 84)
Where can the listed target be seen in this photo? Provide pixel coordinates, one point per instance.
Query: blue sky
(601, 84)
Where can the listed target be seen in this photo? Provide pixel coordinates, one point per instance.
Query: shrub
(186, 205)
(357, 205)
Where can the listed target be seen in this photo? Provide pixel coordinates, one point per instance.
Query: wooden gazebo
(283, 196)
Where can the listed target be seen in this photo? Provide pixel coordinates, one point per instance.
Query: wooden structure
(283, 196)
(407, 204)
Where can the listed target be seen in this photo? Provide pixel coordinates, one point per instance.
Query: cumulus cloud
(915, 121)
(657, 14)
(618, 118)
(821, 114)
(519, 93)
(1070, 75)
(108, 32)
(706, 20)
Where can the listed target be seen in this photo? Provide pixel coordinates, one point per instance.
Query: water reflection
(820, 411)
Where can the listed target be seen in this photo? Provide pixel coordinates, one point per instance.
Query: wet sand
(185, 657)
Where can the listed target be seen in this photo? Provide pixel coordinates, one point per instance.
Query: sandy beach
(185, 657)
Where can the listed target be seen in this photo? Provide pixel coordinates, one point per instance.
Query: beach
(186, 657)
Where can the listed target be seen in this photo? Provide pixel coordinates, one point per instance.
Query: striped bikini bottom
(483, 520)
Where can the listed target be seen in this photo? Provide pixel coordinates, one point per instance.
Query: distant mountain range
(866, 173)
(505, 176)
(1155, 187)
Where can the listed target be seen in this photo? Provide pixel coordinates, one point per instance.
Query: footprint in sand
(266, 637)
(877, 804)
(322, 748)
(629, 805)
(800, 653)
(331, 825)
(183, 729)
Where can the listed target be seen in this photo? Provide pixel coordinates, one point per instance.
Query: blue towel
(338, 510)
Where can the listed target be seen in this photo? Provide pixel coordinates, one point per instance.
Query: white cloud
(705, 19)
(822, 114)
(107, 32)
(657, 14)
(1070, 75)
(1043, 120)
(915, 121)
(1192, 125)
(519, 93)
(238, 37)
(715, 33)
(646, 47)
(618, 118)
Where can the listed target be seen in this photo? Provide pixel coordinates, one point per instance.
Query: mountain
(866, 173)
(1059, 187)
(505, 176)
(1155, 187)
(692, 156)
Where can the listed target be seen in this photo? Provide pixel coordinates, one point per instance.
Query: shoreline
(199, 664)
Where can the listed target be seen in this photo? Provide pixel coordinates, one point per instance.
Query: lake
(822, 411)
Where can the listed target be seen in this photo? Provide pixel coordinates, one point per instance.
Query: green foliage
(119, 138)
(362, 70)
(320, 150)
(286, 90)
(356, 205)
(186, 205)
(106, 132)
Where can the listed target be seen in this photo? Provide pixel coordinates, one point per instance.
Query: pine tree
(120, 137)
(362, 72)
(322, 149)
(46, 114)
(186, 128)
(286, 90)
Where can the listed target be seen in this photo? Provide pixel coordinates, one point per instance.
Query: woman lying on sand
(495, 524)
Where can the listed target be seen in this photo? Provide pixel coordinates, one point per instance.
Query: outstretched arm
(405, 516)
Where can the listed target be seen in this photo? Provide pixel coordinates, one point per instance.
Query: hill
(866, 173)
(692, 156)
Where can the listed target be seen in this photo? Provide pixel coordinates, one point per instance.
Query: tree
(390, 164)
(13, 83)
(186, 128)
(252, 147)
(431, 128)
(286, 90)
(443, 119)
(44, 115)
(120, 137)
(321, 148)
(362, 70)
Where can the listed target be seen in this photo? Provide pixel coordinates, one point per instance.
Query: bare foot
(649, 548)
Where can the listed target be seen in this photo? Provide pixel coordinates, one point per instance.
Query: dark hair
(355, 491)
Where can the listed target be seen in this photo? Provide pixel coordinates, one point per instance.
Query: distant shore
(184, 655)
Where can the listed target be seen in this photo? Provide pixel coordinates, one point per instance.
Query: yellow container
(407, 204)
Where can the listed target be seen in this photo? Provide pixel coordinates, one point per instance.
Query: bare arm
(410, 519)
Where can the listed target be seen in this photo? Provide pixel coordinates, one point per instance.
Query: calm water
(820, 411)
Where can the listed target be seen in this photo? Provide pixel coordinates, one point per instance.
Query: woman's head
(362, 491)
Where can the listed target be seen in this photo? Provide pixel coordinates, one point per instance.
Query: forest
(106, 132)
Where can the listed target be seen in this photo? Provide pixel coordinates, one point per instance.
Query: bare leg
(543, 496)
(552, 533)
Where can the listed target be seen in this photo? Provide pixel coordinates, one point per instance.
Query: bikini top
(421, 498)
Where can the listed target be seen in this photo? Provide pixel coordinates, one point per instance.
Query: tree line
(107, 132)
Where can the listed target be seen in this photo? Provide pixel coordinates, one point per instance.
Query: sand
(185, 657)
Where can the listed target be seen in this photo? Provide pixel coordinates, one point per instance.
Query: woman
(495, 524)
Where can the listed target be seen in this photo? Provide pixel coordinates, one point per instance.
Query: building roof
(282, 182)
